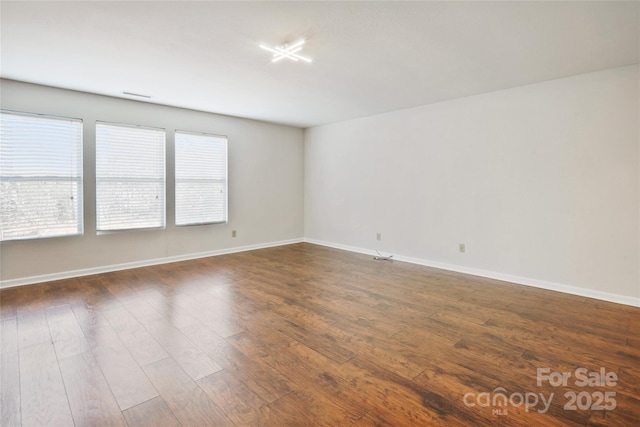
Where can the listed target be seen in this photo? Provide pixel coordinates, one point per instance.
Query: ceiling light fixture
(287, 51)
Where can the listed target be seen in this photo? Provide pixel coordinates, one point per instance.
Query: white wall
(265, 186)
(540, 182)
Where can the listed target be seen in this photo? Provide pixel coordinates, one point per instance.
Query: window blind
(201, 178)
(40, 176)
(130, 177)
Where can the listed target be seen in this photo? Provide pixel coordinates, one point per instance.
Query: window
(130, 177)
(40, 176)
(201, 178)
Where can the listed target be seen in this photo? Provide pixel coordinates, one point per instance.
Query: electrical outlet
(378, 236)
(461, 247)
(233, 233)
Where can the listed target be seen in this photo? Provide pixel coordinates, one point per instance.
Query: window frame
(78, 178)
(225, 181)
(163, 180)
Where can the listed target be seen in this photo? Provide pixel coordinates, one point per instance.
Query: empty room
(326, 213)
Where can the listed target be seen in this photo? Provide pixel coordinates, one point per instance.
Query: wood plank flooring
(304, 335)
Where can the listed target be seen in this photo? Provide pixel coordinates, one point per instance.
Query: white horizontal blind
(130, 177)
(201, 178)
(40, 176)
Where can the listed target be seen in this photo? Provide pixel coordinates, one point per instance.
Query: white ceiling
(369, 57)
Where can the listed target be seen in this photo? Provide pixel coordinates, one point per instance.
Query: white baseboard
(144, 263)
(567, 289)
(573, 290)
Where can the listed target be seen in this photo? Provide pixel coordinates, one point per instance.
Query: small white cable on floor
(382, 258)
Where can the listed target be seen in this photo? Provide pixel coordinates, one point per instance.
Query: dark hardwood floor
(304, 335)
